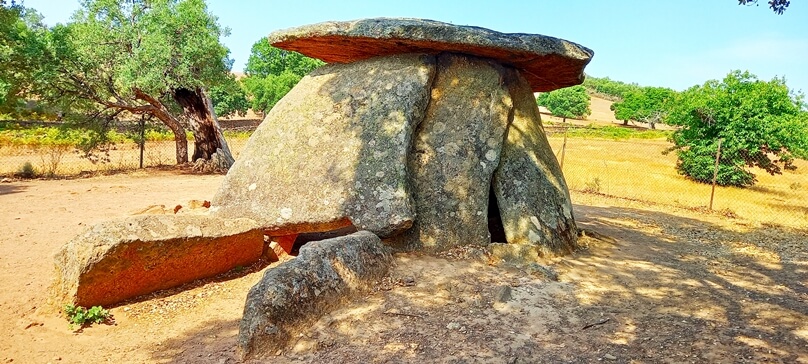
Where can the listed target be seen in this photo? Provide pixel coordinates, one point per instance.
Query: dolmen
(416, 135)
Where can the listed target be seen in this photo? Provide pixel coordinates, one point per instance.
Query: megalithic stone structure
(405, 133)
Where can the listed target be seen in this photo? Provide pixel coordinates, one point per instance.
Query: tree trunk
(158, 110)
(209, 144)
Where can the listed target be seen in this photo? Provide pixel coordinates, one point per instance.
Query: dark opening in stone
(494, 219)
(304, 238)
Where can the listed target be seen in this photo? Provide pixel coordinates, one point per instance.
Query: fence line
(631, 169)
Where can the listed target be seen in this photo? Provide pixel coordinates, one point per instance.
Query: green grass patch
(616, 133)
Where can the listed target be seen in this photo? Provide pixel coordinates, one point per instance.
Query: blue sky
(674, 44)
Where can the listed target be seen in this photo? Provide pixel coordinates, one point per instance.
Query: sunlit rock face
(333, 152)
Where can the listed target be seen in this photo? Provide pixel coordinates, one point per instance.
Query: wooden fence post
(715, 173)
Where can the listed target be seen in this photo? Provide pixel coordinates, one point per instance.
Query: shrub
(80, 316)
(26, 171)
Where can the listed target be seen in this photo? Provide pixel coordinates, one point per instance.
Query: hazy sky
(674, 44)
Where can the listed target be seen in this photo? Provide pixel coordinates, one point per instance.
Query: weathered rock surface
(333, 151)
(548, 63)
(297, 292)
(455, 153)
(120, 259)
(533, 198)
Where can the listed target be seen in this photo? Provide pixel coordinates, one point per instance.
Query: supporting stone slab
(296, 293)
(125, 258)
(455, 152)
(332, 153)
(531, 192)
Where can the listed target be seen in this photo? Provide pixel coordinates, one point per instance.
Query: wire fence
(631, 170)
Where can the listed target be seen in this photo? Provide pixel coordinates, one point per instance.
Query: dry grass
(69, 162)
(637, 170)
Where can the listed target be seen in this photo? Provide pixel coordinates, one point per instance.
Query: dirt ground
(657, 285)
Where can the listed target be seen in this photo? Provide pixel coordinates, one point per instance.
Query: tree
(272, 73)
(569, 102)
(267, 91)
(761, 124)
(267, 60)
(21, 40)
(229, 98)
(608, 88)
(142, 57)
(645, 105)
(778, 6)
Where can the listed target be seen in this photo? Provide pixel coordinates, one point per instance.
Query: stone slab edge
(548, 63)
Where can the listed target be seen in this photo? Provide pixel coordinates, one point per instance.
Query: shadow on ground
(662, 288)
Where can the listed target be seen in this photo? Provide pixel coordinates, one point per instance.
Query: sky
(676, 44)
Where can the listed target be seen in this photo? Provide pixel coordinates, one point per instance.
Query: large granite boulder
(120, 259)
(297, 292)
(547, 63)
(333, 152)
(455, 153)
(532, 195)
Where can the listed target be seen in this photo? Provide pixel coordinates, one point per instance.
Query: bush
(26, 171)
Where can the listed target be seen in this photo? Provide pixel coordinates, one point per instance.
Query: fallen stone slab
(296, 293)
(125, 258)
(332, 153)
(548, 63)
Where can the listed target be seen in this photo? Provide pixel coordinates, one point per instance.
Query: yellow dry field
(637, 170)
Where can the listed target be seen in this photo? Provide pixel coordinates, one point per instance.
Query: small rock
(503, 294)
(6, 180)
(408, 281)
(538, 269)
(8, 360)
(57, 358)
(453, 326)
(610, 357)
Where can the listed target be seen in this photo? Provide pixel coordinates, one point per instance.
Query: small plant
(593, 186)
(26, 171)
(795, 186)
(80, 316)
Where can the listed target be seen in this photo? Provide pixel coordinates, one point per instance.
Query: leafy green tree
(646, 105)
(569, 102)
(229, 98)
(267, 60)
(272, 73)
(141, 57)
(21, 40)
(267, 91)
(608, 88)
(761, 124)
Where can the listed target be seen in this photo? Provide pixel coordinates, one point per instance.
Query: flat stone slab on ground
(124, 258)
(548, 63)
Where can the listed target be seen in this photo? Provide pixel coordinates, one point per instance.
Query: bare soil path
(657, 285)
